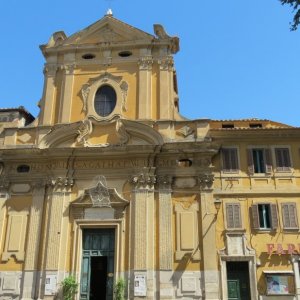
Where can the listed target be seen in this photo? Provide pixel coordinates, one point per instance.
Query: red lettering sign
(279, 249)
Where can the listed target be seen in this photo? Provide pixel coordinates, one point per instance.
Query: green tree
(295, 4)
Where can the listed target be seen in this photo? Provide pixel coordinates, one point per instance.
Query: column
(4, 195)
(166, 90)
(143, 230)
(56, 240)
(67, 93)
(295, 261)
(210, 255)
(48, 101)
(34, 239)
(166, 289)
(145, 82)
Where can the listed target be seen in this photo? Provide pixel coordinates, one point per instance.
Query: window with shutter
(233, 215)
(289, 216)
(259, 160)
(264, 216)
(230, 160)
(283, 161)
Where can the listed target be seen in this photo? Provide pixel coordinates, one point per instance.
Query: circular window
(23, 169)
(105, 100)
(88, 56)
(125, 53)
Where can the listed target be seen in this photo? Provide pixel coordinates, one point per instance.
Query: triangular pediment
(108, 29)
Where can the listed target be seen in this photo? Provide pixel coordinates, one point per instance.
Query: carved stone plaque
(103, 213)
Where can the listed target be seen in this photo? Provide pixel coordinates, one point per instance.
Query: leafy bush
(119, 289)
(69, 288)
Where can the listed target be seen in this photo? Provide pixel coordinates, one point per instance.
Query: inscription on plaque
(103, 213)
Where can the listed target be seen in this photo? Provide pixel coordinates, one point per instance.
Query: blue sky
(238, 59)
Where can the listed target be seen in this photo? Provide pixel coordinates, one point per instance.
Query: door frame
(79, 225)
(252, 273)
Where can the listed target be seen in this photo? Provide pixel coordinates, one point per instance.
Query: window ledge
(235, 230)
(260, 175)
(265, 230)
(278, 272)
(291, 229)
(228, 172)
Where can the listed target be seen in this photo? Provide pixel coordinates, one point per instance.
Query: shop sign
(283, 249)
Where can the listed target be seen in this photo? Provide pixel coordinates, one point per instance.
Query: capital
(50, 70)
(165, 182)
(166, 63)
(145, 179)
(60, 183)
(205, 181)
(146, 62)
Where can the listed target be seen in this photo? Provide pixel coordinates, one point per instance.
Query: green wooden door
(238, 283)
(97, 269)
(233, 287)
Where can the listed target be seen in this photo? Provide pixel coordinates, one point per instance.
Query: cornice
(246, 134)
(264, 193)
(105, 46)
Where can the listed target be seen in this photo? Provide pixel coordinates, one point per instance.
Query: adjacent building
(110, 182)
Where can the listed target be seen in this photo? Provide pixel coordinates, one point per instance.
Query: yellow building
(110, 182)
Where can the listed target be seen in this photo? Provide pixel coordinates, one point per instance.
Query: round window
(105, 100)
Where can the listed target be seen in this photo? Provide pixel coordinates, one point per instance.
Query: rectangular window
(259, 160)
(283, 162)
(230, 160)
(289, 216)
(280, 284)
(233, 215)
(264, 216)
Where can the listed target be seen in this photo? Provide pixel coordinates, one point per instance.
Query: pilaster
(145, 81)
(4, 195)
(166, 92)
(48, 109)
(166, 289)
(67, 93)
(56, 240)
(208, 217)
(33, 243)
(143, 219)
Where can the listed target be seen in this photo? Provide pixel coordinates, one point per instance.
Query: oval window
(105, 100)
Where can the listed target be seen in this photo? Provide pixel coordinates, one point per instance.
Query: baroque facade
(110, 182)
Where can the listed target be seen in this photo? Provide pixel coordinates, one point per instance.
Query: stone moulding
(90, 88)
(77, 134)
(85, 201)
(61, 133)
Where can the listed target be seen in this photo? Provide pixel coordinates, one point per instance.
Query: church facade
(110, 182)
